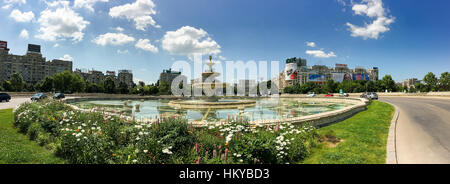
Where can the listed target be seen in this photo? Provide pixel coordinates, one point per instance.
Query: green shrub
(34, 131)
(255, 148)
(174, 133)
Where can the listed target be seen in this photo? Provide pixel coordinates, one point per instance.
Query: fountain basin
(205, 104)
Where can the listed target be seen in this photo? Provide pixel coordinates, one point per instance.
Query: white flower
(145, 151)
(167, 151)
(134, 161)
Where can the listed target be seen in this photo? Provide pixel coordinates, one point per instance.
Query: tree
(164, 88)
(389, 84)
(431, 81)
(94, 88)
(77, 83)
(444, 81)
(7, 86)
(109, 85)
(46, 85)
(420, 87)
(17, 82)
(123, 88)
(330, 86)
(62, 82)
(370, 86)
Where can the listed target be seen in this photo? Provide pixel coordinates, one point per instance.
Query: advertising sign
(338, 77)
(291, 71)
(360, 77)
(3, 44)
(317, 78)
(348, 77)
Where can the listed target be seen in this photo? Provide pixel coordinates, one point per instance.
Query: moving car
(59, 96)
(370, 95)
(4, 97)
(38, 96)
(344, 95)
(311, 94)
(329, 95)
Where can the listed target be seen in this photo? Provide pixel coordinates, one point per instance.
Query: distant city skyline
(147, 36)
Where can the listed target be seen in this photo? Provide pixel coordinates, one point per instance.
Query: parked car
(4, 97)
(344, 95)
(38, 96)
(311, 94)
(329, 95)
(59, 96)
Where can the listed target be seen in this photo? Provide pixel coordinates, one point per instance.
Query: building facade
(32, 66)
(168, 76)
(97, 77)
(297, 72)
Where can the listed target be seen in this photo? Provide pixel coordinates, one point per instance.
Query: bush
(97, 138)
(34, 131)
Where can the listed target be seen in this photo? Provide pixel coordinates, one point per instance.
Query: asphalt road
(15, 101)
(423, 130)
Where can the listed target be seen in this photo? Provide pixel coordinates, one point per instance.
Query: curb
(391, 151)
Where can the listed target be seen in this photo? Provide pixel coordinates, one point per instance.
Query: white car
(311, 95)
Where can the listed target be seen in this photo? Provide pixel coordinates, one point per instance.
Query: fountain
(211, 102)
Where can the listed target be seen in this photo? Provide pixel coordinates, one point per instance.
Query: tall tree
(17, 82)
(109, 85)
(389, 83)
(330, 86)
(123, 88)
(7, 86)
(62, 82)
(46, 84)
(431, 81)
(445, 81)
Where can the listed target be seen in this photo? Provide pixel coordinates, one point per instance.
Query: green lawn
(363, 138)
(16, 148)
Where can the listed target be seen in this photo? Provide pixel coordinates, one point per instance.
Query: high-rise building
(300, 73)
(168, 76)
(373, 74)
(32, 66)
(126, 76)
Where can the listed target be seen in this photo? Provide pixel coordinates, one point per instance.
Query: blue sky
(403, 38)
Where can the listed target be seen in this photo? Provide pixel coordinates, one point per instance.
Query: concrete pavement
(15, 101)
(423, 130)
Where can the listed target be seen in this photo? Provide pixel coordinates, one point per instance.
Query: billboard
(348, 77)
(3, 44)
(291, 71)
(338, 77)
(361, 77)
(317, 78)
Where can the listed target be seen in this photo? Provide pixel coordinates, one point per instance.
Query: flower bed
(97, 138)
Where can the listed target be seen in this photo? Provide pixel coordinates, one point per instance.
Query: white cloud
(67, 57)
(57, 3)
(122, 51)
(56, 45)
(61, 23)
(372, 9)
(24, 34)
(311, 44)
(188, 41)
(145, 44)
(120, 29)
(320, 54)
(113, 39)
(18, 16)
(6, 6)
(9, 3)
(88, 4)
(140, 12)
